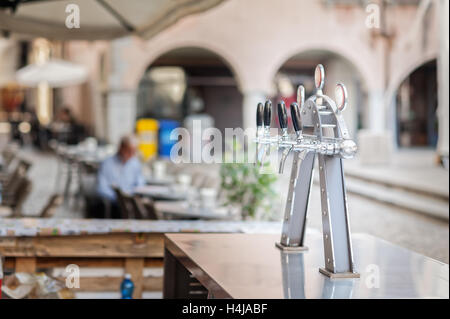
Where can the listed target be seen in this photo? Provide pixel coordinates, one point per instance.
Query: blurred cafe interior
(93, 93)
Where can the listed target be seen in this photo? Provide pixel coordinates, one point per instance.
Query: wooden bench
(30, 245)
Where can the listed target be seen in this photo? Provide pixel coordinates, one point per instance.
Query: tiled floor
(43, 174)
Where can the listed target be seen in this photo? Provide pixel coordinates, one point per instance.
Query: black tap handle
(267, 113)
(259, 115)
(282, 114)
(295, 115)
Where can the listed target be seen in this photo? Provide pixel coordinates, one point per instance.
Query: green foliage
(245, 186)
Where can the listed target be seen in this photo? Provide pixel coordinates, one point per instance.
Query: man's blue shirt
(113, 172)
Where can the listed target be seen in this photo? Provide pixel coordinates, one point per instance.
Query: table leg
(169, 283)
(179, 282)
(135, 267)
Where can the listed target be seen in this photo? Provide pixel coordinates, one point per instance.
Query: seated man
(122, 170)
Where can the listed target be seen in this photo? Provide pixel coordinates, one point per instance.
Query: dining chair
(144, 208)
(21, 170)
(16, 198)
(13, 181)
(87, 178)
(126, 203)
(8, 156)
(53, 203)
(139, 210)
(71, 170)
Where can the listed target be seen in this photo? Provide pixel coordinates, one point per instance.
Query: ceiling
(99, 19)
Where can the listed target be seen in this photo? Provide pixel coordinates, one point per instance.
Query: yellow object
(147, 132)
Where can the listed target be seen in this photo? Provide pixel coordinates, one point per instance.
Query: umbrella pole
(44, 103)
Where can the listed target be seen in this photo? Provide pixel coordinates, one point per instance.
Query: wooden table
(167, 181)
(31, 244)
(250, 266)
(182, 209)
(159, 192)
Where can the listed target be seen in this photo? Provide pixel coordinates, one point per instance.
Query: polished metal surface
(328, 137)
(249, 266)
(300, 185)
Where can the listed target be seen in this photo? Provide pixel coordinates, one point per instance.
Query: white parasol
(56, 73)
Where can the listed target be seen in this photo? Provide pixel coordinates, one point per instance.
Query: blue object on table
(127, 287)
(165, 143)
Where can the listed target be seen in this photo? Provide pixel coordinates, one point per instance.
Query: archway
(187, 81)
(416, 104)
(299, 69)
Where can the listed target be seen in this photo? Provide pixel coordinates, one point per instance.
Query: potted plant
(244, 186)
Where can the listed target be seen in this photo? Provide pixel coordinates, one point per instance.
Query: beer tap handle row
(264, 118)
(264, 114)
(345, 148)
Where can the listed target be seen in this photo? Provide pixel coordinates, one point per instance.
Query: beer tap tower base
(340, 275)
(291, 249)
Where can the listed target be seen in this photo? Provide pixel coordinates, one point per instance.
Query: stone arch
(404, 73)
(357, 114)
(155, 53)
(396, 79)
(363, 70)
(213, 108)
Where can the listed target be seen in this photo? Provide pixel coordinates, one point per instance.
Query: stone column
(9, 52)
(121, 101)
(376, 115)
(375, 144)
(121, 114)
(249, 103)
(443, 80)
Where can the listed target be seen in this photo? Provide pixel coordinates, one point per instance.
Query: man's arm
(140, 180)
(103, 186)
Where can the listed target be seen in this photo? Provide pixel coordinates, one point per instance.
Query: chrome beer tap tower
(320, 131)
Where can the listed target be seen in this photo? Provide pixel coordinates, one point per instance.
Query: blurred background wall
(223, 61)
